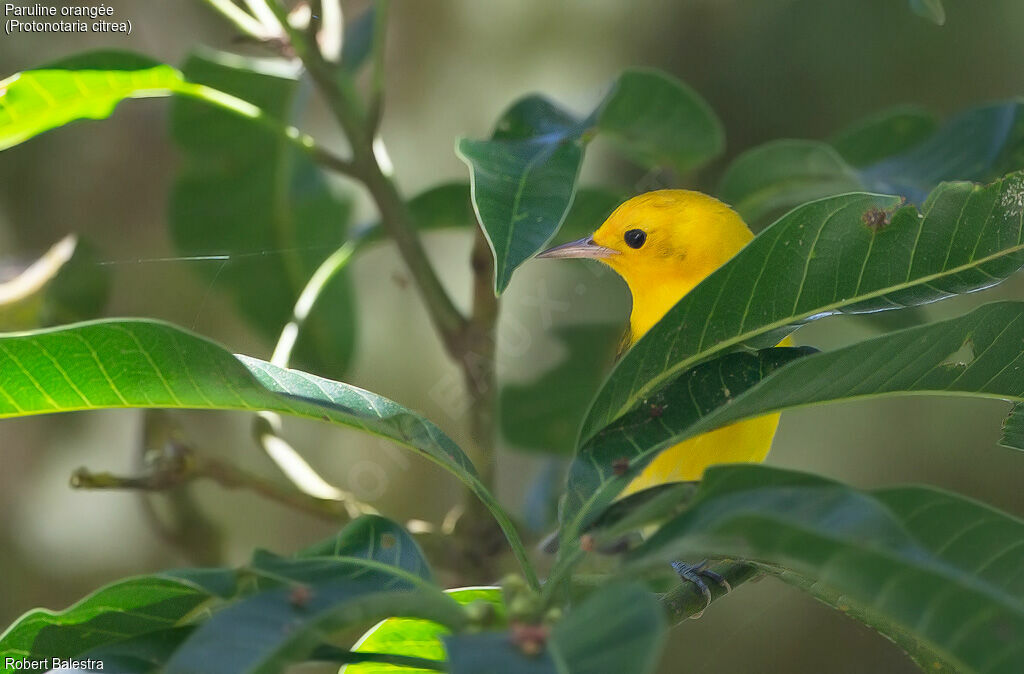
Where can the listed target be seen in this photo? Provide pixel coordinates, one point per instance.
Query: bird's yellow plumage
(663, 244)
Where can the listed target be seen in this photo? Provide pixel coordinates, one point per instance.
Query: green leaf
(620, 451)
(450, 206)
(836, 255)
(524, 177)
(62, 286)
(641, 509)
(118, 612)
(135, 363)
(658, 121)
(544, 414)
(930, 9)
(419, 638)
(35, 101)
(143, 654)
(590, 207)
(1013, 429)
(272, 628)
(620, 628)
(977, 354)
(523, 180)
(494, 653)
(246, 192)
(775, 176)
(935, 572)
(893, 152)
(377, 538)
(979, 144)
(884, 134)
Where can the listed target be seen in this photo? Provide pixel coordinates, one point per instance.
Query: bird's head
(662, 244)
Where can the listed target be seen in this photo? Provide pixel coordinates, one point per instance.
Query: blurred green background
(770, 69)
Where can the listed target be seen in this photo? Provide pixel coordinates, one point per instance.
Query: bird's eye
(635, 238)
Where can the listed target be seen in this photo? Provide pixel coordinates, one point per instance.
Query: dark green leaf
(590, 208)
(246, 192)
(144, 654)
(1013, 429)
(836, 255)
(275, 627)
(657, 121)
(121, 611)
(523, 180)
(930, 9)
(884, 134)
(133, 363)
(977, 354)
(450, 206)
(419, 638)
(377, 538)
(619, 452)
(495, 653)
(524, 176)
(892, 152)
(642, 509)
(980, 144)
(62, 286)
(936, 573)
(544, 414)
(777, 175)
(620, 628)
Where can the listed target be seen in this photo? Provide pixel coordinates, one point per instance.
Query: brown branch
(187, 467)
(396, 219)
(469, 341)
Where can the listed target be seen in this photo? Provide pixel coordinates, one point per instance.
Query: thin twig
(396, 219)
(328, 159)
(194, 467)
(470, 342)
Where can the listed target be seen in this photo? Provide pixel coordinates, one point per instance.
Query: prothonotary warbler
(663, 244)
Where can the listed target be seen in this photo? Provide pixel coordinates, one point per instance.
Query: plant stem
(480, 538)
(470, 342)
(183, 524)
(396, 219)
(192, 467)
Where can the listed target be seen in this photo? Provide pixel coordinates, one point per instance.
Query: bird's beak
(584, 247)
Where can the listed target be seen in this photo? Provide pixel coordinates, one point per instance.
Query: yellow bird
(663, 244)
